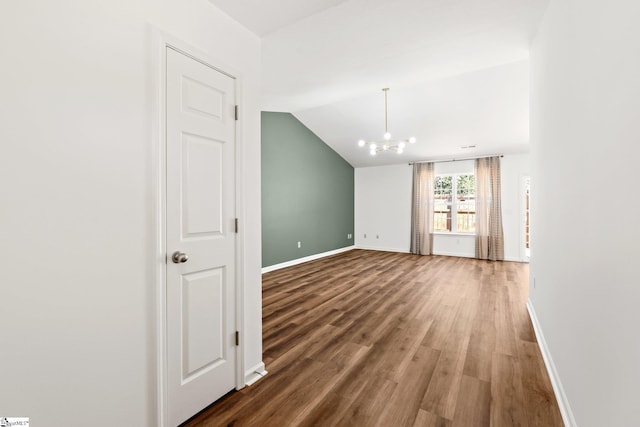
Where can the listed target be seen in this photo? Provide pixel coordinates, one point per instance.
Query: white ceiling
(265, 16)
(457, 70)
(487, 108)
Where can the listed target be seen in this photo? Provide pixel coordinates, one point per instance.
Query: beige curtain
(422, 209)
(489, 236)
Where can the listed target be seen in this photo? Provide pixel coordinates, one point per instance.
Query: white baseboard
(515, 259)
(460, 255)
(558, 390)
(373, 248)
(305, 259)
(254, 374)
(443, 253)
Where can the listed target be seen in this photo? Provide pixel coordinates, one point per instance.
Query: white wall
(383, 208)
(77, 221)
(585, 101)
(514, 169)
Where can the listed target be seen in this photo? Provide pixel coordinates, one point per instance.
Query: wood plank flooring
(369, 338)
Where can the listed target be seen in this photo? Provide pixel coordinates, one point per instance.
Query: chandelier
(387, 144)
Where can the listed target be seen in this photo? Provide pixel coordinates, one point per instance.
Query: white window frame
(454, 204)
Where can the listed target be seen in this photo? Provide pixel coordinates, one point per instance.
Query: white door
(200, 293)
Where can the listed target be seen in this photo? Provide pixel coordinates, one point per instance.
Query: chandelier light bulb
(400, 150)
(401, 145)
(373, 152)
(361, 143)
(387, 136)
(412, 140)
(373, 146)
(385, 147)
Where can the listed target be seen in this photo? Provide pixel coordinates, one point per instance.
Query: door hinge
(237, 338)
(236, 225)
(235, 112)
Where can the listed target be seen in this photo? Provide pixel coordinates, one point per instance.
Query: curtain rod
(456, 160)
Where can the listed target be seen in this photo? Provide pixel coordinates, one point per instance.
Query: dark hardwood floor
(370, 338)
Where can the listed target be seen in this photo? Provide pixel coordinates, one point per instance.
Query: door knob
(179, 257)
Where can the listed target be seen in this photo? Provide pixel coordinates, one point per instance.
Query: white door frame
(160, 42)
(523, 208)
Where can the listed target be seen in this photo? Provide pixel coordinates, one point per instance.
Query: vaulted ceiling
(457, 69)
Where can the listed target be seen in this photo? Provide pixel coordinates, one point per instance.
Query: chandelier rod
(386, 127)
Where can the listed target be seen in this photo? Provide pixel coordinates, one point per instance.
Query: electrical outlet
(299, 245)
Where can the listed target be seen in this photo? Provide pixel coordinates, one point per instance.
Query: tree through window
(455, 203)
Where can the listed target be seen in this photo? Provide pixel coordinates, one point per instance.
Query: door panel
(202, 186)
(203, 322)
(200, 147)
(200, 98)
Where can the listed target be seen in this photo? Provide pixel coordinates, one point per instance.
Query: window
(455, 204)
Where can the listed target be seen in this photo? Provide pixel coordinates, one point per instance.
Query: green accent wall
(307, 192)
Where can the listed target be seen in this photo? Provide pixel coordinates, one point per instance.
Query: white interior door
(201, 288)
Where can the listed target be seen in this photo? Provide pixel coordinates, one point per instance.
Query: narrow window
(455, 204)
